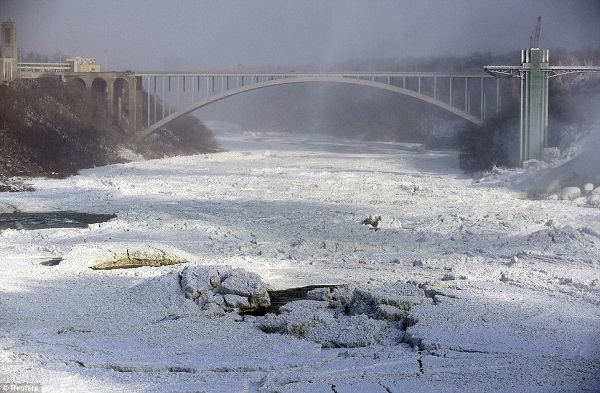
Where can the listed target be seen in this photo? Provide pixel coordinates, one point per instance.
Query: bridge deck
(290, 74)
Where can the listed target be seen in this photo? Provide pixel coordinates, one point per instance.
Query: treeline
(35, 57)
(48, 128)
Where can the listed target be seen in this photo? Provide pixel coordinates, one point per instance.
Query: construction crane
(534, 39)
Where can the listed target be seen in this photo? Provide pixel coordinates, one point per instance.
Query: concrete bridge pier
(138, 105)
(534, 72)
(112, 88)
(534, 104)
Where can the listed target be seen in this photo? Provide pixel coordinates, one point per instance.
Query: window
(7, 70)
(7, 36)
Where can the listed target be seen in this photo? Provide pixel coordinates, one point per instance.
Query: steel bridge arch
(303, 79)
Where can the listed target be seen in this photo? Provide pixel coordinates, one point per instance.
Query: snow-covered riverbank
(509, 288)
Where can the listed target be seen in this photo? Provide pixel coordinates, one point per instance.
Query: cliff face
(48, 128)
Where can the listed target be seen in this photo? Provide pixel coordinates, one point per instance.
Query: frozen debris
(7, 208)
(532, 164)
(589, 195)
(504, 277)
(588, 187)
(128, 154)
(594, 200)
(14, 185)
(348, 318)
(221, 289)
(514, 261)
(199, 280)
(570, 193)
(320, 294)
(400, 295)
(371, 221)
(562, 238)
(551, 153)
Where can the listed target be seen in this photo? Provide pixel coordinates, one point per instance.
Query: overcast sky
(199, 35)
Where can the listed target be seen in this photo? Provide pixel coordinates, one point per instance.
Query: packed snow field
(438, 282)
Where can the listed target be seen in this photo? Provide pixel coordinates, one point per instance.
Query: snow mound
(107, 256)
(348, 318)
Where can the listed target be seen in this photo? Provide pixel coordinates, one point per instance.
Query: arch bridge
(171, 95)
(149, 100)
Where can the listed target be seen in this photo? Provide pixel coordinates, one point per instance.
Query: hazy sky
(196, 35)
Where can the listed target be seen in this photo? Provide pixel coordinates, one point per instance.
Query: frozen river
(461, 286)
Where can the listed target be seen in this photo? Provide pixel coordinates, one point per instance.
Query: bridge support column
(110, 96)
(138, 104)
(132, 103)
(534, 104)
